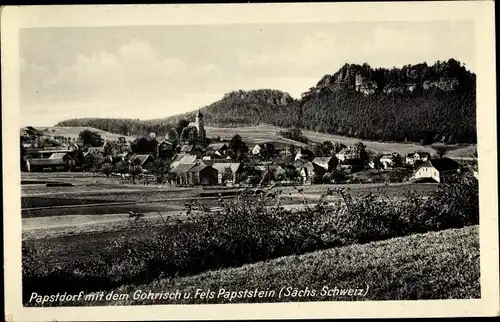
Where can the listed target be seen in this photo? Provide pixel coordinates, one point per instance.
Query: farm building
(56, 162)
(222, 167)
(438, 170)
(202, 174)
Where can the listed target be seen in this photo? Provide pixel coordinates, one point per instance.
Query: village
(192, 159)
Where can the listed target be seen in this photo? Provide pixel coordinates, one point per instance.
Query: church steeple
(200, 126)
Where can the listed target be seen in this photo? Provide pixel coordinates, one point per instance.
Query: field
(86, 234)
(263, 133)
(73, 132)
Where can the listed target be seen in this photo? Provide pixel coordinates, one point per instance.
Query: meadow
(74, 131)
(264, 133)
(436, 265)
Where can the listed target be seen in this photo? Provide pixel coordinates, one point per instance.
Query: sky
(158, 71)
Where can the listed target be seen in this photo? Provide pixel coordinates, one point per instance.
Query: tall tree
(91, 138)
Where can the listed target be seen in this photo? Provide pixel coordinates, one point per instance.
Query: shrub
(255, 227)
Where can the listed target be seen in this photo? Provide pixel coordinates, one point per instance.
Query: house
(265, 147)
(308, 171)
(222, 167)
(350, 165)
(438, 170)
(327, 163)
(387, 161)
(411, 158)
(304, 154)
(181, 172)
(56, 162)
(141, 159)
(182, 159)
(257, 149)
(191, 149)
(202, 174)
(96, 151)
(114, 159)
(219, 149)
(165, 148)
(349, 153)
(29, 133)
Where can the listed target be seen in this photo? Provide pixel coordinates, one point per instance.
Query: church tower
(200, 126)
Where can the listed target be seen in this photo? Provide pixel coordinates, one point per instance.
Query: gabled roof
(36, 150)
(46, 162)
(221, 167)
(188, 158)
(345, 151)
(217, 146)
(58, 155)
(187, 148)
(322, 161)
(141, 157)
(212, 161)
(96, 149)
(183, 168)
(444, 164)
(199, 167)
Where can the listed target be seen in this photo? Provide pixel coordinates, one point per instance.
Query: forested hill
(243, 108)
(418, 103)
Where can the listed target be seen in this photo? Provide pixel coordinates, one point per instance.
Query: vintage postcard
(249, 161)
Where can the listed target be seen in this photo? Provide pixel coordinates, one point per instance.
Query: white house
(387, 161)
(257, 149)
(438, 170)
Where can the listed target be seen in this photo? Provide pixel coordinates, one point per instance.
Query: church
(199, 125)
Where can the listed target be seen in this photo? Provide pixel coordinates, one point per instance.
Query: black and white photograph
(189, 163)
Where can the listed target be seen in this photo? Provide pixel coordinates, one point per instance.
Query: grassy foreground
(436, 265)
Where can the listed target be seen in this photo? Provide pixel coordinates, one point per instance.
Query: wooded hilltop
(415, 103)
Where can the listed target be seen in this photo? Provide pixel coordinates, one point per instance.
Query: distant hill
(415, 103)
(73, 132)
